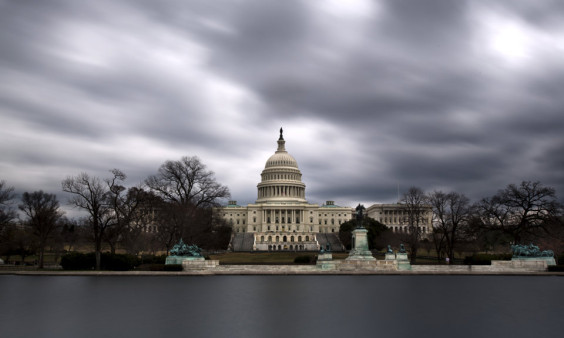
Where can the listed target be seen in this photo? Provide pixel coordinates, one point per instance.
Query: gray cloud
(438, 94)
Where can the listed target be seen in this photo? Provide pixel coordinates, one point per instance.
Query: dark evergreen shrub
(485, 259)
(556, 268)
(119, 262)
(116, 262)
(151, 267)
(78, 261)
(303, 260)
(152, 259)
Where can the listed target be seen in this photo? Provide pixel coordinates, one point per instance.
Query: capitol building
(282, 219)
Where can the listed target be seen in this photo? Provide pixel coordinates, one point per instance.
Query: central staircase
(243, 242)
(332, 239)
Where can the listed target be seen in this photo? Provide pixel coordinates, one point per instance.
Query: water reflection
(281, 306)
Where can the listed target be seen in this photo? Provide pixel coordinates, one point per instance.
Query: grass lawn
(266, 257)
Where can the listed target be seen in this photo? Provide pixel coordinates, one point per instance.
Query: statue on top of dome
(281, 137)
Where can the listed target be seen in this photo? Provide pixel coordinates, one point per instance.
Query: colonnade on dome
(281, 191)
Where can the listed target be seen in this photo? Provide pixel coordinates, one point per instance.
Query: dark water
(282, 306)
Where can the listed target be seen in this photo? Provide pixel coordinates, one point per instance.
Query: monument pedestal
(548, 260)
(360, 251)
(199, 263)
(180, 259)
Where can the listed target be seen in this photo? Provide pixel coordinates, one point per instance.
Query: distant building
(395, 217)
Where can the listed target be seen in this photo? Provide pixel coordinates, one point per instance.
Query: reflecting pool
(282, 306)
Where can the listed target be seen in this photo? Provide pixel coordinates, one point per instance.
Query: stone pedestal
(548, 260)
(390, 256)
(325, 261)
(178, 259)
(199, 264)
(402, 256)
(360, 249)
(403, 261)
(182, 259)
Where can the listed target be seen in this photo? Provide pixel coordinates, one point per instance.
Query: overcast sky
(372, 95)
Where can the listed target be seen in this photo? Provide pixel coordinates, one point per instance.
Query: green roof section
(330, 204)
(233, 204)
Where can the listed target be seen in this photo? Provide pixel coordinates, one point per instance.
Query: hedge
(485, 259)
(112, 262)
(303, 260)
(556, 268)
(173, 267)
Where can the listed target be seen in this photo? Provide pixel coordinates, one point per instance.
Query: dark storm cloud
(461, 95)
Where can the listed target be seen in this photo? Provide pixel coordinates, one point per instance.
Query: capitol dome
(281, 158)
(281, 180)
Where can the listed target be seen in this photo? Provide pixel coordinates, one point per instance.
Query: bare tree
(187, 182)
(138, 212)
(416, 209)
(43, 212)
(125, 204)
(7, 213)
(185, 187)
(451, 212)
(95, 196)
(519, 211)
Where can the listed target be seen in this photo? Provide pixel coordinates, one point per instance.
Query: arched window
(277, 239)
(262, 238)
(307, 238)
(299, 238)
(292, 239)
(270, 238)
(285, 239)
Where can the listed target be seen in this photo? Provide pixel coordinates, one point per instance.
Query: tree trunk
(98, 254)
(41, 256)
(413, 257)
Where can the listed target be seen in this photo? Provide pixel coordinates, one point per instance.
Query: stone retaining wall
(364, 267)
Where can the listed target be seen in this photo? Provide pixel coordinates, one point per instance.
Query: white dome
(281, 179)
(281, 159)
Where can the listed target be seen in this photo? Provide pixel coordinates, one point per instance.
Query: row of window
(396, 220)
(286, 247)
(284, 238)
(241, 229)
(332, 221)
(405, 229)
